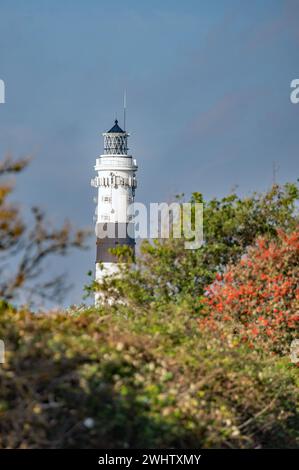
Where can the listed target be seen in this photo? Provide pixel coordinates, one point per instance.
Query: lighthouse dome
(116, 129)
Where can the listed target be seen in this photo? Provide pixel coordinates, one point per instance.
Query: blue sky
(208, 87)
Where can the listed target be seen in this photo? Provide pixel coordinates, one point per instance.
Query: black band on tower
(116, 235)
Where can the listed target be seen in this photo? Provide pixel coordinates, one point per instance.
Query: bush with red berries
(257, 299)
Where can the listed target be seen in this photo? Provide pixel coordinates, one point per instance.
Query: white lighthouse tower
(116, 183)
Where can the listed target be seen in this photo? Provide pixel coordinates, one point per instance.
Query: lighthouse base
(105, 270)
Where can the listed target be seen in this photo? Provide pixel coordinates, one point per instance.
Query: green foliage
(167, 272)
(118, 377)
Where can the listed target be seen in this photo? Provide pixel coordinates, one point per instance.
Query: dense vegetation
(122, 378)
(182, 357)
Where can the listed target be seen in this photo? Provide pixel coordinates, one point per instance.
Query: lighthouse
(116, 183)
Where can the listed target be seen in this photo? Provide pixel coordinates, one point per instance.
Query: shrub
(147, 379)
(257, 299)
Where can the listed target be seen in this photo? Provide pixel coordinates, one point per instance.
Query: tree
(166, 272)
(257, 299)
(24, 249)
